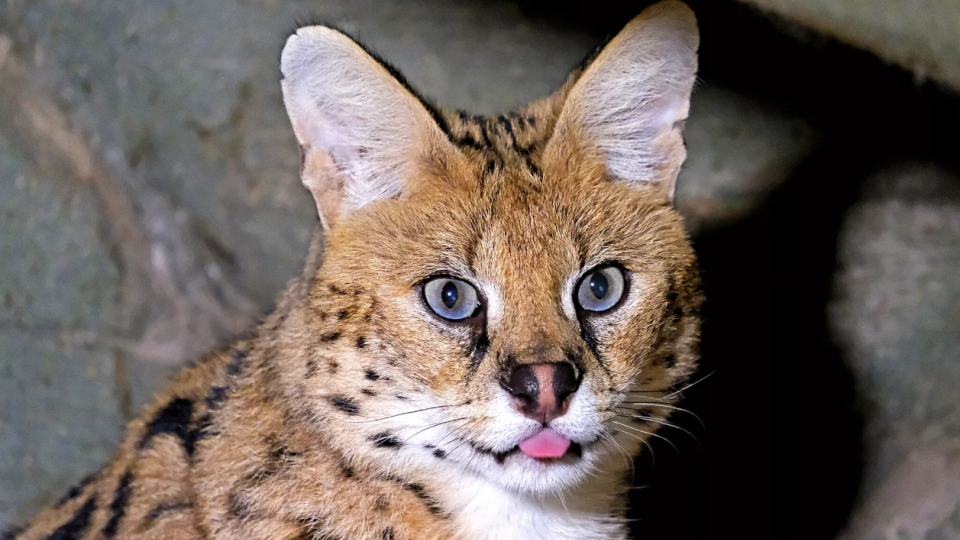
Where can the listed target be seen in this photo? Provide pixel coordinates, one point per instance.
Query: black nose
(541, 390)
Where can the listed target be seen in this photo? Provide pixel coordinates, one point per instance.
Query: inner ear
(628, 107)
(361, 132)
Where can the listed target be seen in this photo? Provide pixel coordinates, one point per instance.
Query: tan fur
(303, 429)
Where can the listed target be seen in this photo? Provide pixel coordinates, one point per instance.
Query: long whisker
(661, 405)
(405, 413)
(691, 385)
(466, 466)
(453, 435)
(651, 434)
(675, 392)
(462, 441)
(435, 425)
(627, 458)
(563, 503)
(457, 447)
(662, 423)
(653, 455)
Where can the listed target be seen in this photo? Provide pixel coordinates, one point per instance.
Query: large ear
(629, 104)
(360, 130)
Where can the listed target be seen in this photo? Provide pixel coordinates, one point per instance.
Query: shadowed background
(150, 208)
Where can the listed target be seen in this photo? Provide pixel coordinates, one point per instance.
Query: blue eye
(601, 289)
(451, 298)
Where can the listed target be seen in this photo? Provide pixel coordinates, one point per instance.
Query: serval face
(511, 297)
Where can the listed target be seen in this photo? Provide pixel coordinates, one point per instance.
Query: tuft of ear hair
(360, 131)
(628, 106)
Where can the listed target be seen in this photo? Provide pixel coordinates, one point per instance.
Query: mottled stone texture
(150, 208)
(920, 35)
(897, 312)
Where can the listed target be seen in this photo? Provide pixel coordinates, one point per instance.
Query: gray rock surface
(897, 312)
(920, 35)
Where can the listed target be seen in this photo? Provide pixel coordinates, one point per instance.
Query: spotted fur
(353, 412)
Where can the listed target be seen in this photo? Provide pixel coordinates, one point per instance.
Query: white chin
(523, 474)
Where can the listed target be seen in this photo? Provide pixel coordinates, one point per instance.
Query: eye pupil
(599, 285)
(449, 295)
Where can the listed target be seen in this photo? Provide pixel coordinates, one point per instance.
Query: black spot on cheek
(428, 501)
(346, 404)
(368, 392)
(337, 290)
(439, 454)
(372, 375)
(346, 470)
(385, 439)
(281, 455)
(388, 534)
(361, 342)
(670, 361)
(332, 336)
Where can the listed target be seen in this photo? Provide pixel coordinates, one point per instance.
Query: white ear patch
(633, 98)
(347, 106)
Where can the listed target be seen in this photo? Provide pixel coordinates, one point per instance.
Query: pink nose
(542, 391)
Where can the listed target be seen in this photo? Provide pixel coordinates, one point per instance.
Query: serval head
(512, 298)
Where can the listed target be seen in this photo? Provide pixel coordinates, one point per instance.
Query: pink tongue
(546, 444)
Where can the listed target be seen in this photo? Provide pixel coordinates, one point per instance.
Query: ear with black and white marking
(629, 104)
(360, 130)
